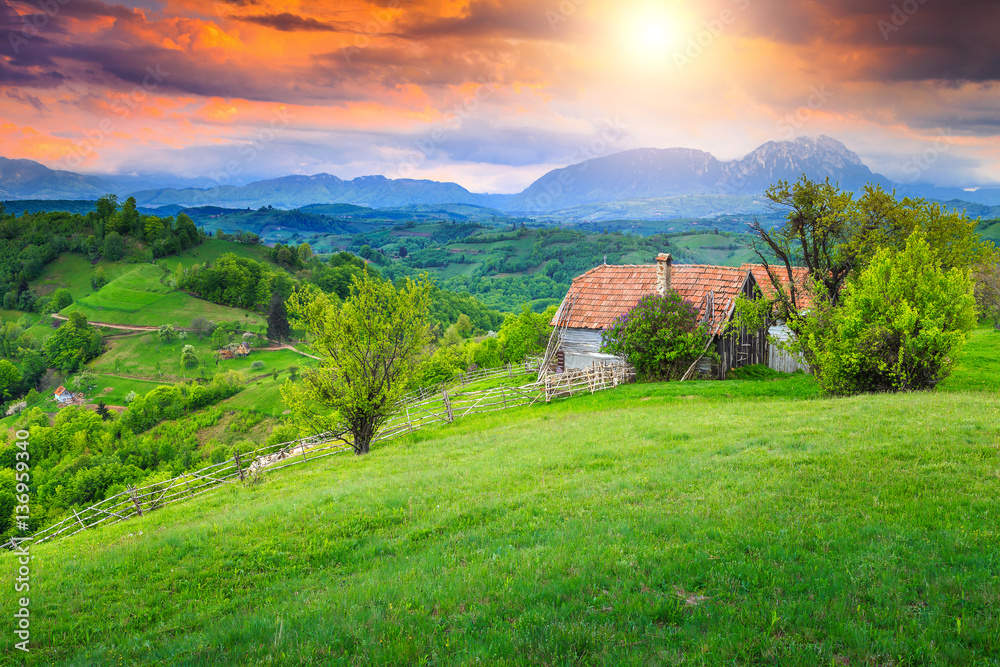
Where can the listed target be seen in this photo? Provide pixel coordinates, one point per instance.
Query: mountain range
(641, 183)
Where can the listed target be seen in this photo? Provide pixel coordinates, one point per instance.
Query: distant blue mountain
(646, 182)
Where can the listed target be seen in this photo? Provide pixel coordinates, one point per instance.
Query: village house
(63, 395)
(606, 292)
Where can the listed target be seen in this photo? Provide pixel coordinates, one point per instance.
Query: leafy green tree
(166, 333)
(153, 227)
(106, 207)
(305, 251)
(525, 334)
(901, 324)
(99, 279)
(10, 379)
(660, 337)
(835, 236)
(463, 325)
(73, 344)
(220, 337)
(188, 357)
(114, 247)
(186, 231)
(60, 299)
(277, 320)
(130, 219)
(369, 346)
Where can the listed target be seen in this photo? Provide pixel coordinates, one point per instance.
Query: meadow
(743, 522)
(140, 297)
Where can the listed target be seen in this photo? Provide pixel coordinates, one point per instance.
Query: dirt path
(123, 327)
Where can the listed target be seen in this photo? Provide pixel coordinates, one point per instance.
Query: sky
(492, 94)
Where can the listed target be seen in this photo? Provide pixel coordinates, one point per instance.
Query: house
(602, 294)
(243, 350)
(63, 396)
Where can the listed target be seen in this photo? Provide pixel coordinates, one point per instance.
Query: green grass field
(211, 250)
(747, 522)
(73, 272)
(976, 369)
(140, 297)
(138, 355)
(15, 315)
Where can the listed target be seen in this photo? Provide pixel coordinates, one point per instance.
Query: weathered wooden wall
(743, 348)
(779, 359)
(581, 348)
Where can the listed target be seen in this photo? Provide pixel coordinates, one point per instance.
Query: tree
(106, 207)
(10, 379)
(166, 333)
(114, 247)
(660, 336)
(814, 235)
(305, 251)
(277, 320)
(987, 277)
(153, 228)
(368, 345)
(188, 358)
(525, 334)
(73, 344)
(60, 299)
(464, 325)
(99, 279)
(219, 337)
(901, 323)
(836, 236)
(201, 326)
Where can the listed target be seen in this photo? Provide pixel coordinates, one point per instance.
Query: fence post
(447, 406)
(135, 499)
(239, 468)
(408, 421)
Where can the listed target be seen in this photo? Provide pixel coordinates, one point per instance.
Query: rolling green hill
(712, 523)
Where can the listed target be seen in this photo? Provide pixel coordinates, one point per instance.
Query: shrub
(660, 336)
(257, 365)
(901, 323)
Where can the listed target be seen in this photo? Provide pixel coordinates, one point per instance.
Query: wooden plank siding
(741, 348)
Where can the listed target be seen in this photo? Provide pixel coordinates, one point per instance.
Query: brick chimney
(663, 270)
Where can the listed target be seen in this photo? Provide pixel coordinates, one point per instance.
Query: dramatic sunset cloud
(488, 93)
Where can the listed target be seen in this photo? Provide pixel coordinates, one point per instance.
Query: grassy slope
(136, 356)
(711, 523)
(139, 297)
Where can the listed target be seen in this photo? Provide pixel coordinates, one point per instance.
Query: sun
(653, 31)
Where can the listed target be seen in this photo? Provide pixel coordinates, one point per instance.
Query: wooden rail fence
(418, 412)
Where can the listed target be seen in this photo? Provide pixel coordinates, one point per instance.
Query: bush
(901, 324)
(257, 365)
(660, 337)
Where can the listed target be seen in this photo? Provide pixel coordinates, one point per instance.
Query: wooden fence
(418, 412)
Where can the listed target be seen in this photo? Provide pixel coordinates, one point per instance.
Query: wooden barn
(602, 294)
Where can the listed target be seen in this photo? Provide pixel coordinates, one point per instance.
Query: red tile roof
(602, 294)
(60, 391)
(799, 273)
